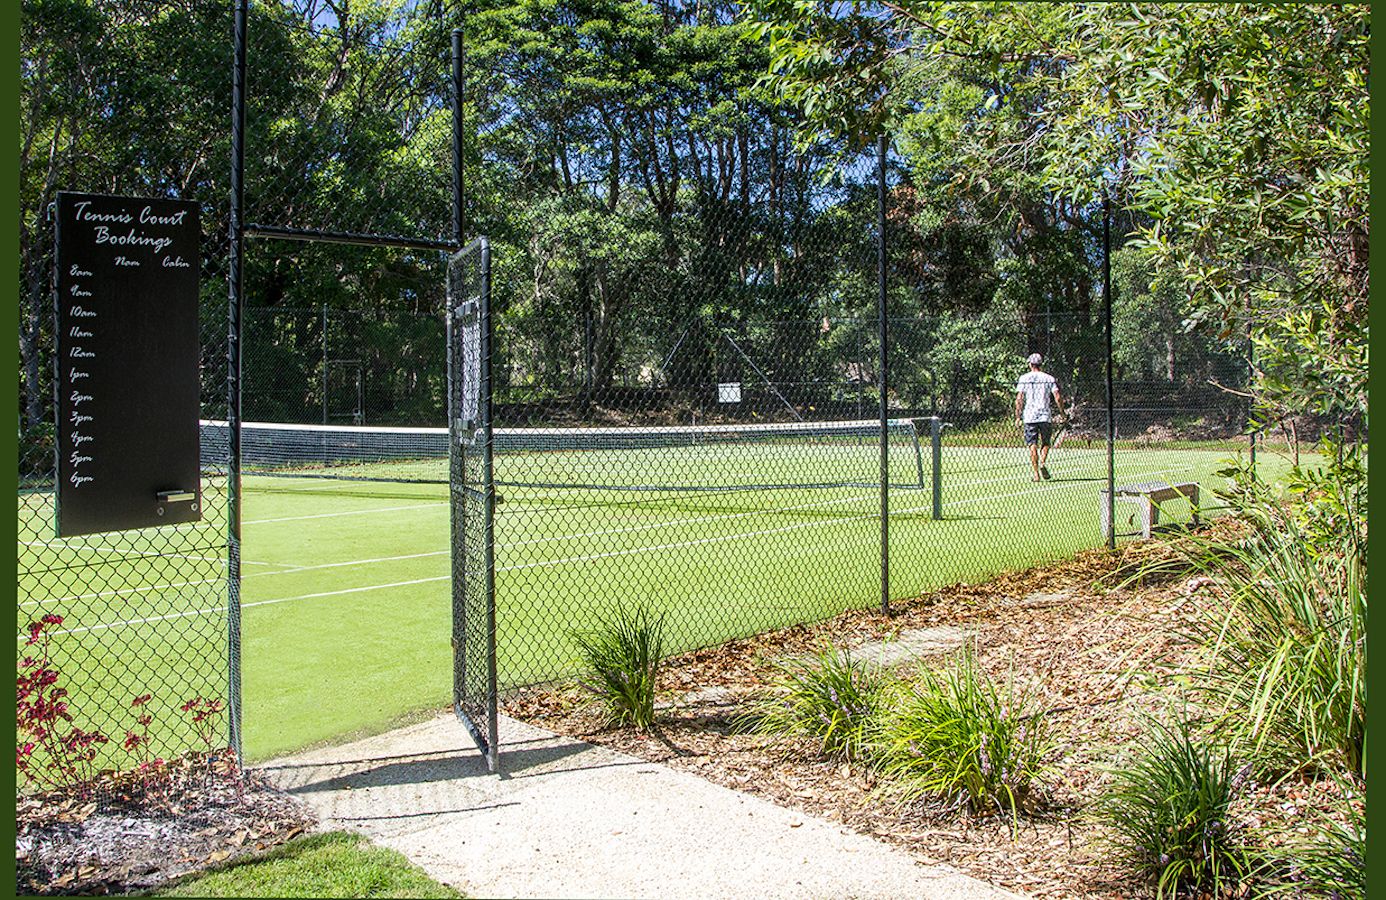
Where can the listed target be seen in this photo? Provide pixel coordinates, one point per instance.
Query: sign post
(127, 363)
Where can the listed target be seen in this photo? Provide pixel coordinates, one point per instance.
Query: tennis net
(640, 458)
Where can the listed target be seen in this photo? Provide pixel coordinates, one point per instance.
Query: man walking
(1032, 412)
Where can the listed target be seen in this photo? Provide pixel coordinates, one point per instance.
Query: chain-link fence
(343, 366)
(133, 631)
(686, 373)
(743, 493)
(333, 185)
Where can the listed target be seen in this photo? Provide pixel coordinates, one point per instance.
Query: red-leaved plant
(55, 754)
(51, 750)
(152, 771)
(205, 714)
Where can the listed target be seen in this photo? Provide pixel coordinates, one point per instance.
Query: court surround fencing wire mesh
(144, 626)
(150, 630)
(685, 383)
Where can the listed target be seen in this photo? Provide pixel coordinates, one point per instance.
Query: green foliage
(621, 656)
(1171, 812)
(1150, 341)
(956, 735)
(1313, 361)
(830, 698)
(1330, 860)
(1234, 137)
(1287, 636)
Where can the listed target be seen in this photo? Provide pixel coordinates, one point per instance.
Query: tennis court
(346, 595)
(345, 565)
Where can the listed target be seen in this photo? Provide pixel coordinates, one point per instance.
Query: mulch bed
(131, 833)
(1097, 655)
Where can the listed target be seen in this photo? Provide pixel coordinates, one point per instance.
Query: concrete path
(567, 819)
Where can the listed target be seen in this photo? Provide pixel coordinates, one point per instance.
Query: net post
(918, 452)
(936, 445)
(881, 146)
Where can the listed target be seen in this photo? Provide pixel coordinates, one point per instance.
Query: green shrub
(621, 658)
(830, 698)
(955, 735)
(1287, 635)
(1331, 861)
(1171, 812)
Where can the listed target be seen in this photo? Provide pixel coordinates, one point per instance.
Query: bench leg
(1150, 514)
(1193, 503)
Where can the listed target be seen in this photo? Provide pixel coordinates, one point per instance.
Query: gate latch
(468, 312)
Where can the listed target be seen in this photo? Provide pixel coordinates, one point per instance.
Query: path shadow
(517, 759)
(424, 813)
(522, 763)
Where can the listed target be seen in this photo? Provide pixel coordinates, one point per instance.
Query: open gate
(473, 496)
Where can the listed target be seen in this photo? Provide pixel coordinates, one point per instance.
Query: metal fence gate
(473, 496)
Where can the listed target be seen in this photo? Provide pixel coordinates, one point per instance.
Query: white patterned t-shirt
(1038, 389)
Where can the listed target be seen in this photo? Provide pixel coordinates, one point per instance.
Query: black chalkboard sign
(127, 363)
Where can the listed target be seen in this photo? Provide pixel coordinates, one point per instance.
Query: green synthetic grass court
(346, 595)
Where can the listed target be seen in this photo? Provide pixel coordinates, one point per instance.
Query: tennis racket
(1061, 428)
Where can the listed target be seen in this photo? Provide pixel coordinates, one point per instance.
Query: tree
(1239, 133)
(113, 99)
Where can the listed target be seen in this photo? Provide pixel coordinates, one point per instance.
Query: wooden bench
(1147, 497)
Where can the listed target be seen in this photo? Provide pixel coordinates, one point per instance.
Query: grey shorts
(1038, 433)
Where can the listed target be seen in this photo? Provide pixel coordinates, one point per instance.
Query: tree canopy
(661, 178)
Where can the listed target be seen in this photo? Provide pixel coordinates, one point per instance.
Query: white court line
(665, 524)
(122, 552)
(123, 591)
(564, 561)
(215, 559)
(205, 612)
(1052, 487)
(351, 512)
(286, 571)
(694, 543)
(354, 562)
(108, 625)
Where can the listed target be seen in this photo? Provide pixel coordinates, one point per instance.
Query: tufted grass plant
(956, 735)
(1327, 856)
(829, 698)
(1287, 636)
(1284, 627)
(1170, 812)
(621, 658)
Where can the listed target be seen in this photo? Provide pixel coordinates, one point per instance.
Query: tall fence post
(1111, 397)
(885, 372)
(235, 311)
(459, 212)
(1251, 404)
